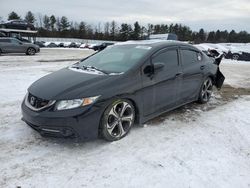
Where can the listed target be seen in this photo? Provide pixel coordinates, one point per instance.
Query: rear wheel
(117, 120)
(206, 91)
(235, 56)
(31, 51)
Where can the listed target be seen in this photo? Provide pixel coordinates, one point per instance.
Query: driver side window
(169, 58)
(13, 41)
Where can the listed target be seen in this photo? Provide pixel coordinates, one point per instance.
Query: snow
(237, 73)
(193, 146)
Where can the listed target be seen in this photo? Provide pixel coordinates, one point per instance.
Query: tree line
(53, 26)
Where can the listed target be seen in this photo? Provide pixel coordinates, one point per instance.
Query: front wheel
(117, 120)
(206, 91)
(31, 51)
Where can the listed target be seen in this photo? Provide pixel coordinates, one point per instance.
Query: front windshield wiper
(92, 67)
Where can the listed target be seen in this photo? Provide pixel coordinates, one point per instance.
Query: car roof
(7, 38)
(157, 44)
(18, 20)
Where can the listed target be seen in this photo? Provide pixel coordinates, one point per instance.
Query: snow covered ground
(193, 146)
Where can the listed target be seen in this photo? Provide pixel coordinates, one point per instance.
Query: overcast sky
(207, 14)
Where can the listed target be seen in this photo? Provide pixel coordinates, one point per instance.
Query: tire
(206, 91)
(235, 56)
(31, 51)
(117, 120)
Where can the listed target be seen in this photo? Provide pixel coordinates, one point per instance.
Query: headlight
(70, 104)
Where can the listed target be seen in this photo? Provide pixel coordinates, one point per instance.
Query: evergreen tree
(211, 37)
(125, 32)
(136, 31)
(46, 22)
(218, 36)
(201, 35)
(30, 18)
(52, 22)
(13, 16)
(82, 29)
(64, 23)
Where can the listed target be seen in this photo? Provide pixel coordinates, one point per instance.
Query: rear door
(5, 45)
(193, 74)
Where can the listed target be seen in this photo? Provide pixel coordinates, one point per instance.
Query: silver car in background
(13, 45)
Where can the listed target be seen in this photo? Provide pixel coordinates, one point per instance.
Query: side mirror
(148, 70)
(20, 43)
(158, 66)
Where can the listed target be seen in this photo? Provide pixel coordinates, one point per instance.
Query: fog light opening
(66, 132)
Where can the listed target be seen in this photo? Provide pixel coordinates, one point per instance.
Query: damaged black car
(128, 83)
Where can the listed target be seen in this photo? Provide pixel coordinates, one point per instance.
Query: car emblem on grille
(32, 101)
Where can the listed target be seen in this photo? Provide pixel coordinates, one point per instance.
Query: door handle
(202, 67)
(178, 74)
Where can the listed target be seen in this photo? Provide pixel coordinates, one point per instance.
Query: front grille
(37, 102)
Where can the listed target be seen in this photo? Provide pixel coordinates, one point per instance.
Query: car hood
(69, 84)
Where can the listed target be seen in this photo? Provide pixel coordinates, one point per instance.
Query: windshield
(116, 59)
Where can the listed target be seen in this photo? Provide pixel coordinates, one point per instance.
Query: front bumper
(82, 123)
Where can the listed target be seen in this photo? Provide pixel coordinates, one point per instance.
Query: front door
(160, 89)
(17, 46)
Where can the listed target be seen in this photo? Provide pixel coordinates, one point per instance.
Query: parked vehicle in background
(241, 52)
(239, 55)
(13, 45)
(40, 44)
(2, 34)
(167, 36)
(84, 45)
(102, 46)
(107, 93)
(61, 45)
(50, 45)
(91, 46)
(72, 45)
(17, 24)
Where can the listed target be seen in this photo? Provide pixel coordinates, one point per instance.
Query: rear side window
(189, 57)
(169, 58)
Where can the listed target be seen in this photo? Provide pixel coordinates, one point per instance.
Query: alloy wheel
(119, 120)
(31, 51)
(207, 90)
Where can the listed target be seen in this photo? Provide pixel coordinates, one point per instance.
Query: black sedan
(107, 93)
(17, 24)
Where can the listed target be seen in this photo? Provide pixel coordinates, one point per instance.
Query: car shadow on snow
(191, 112)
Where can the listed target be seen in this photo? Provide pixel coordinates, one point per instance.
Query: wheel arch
(126, 97)
(213, 78)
